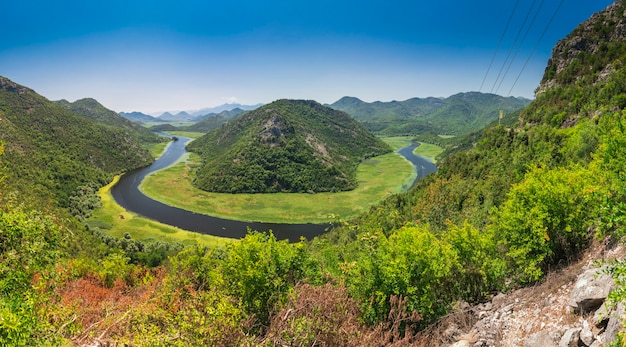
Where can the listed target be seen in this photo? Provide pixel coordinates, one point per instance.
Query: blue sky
(152, 56)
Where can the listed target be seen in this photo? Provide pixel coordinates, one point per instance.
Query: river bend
(127, 194)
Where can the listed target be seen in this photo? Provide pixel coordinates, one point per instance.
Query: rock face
(569, 310)
(585, 41)
(542, 338)
(590, 291)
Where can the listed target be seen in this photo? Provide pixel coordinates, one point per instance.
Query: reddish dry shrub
(327, 316)
(99, 311)
(321, 316)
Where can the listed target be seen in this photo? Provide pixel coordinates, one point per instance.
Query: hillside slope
(214, 121)
(92, 109)
(285, 146)
(51, 151)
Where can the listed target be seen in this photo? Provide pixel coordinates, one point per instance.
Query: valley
(113, 236)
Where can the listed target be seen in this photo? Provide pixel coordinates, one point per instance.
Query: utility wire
(530, 26)
(493, 58)
(536, 45)
(521, 29)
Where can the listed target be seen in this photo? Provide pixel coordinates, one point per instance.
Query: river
(127, 194)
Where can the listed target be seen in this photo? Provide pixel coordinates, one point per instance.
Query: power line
(506, 28)
(530, 26)
(513, 46)
(537, 45)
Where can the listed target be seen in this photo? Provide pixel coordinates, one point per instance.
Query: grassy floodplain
(378, 177)
(428, 150)
(116, 221)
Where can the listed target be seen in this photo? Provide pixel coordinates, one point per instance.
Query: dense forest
(508, 204)
(285, 146)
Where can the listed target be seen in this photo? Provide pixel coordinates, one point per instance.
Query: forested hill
(525, 198)
(50, 151)
(92, 109)
(285, 146)
(459, 114)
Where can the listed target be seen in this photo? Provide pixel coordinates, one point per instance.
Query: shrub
(544, 219)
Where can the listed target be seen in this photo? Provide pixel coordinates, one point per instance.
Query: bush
(544, 219)
(412, 263)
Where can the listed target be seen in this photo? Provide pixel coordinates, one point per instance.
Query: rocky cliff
(594, 48)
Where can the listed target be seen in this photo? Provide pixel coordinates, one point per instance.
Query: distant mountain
(181, 116)
(285, 146)
(139, 117)
(459, 114)
(225, 107)
(214, 121)
(92, 109)
(50, 151)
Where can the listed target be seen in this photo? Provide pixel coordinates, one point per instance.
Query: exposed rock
(601, 316)
(590, 291)
(615, 324)
(462, 343)
(570, 338)
(586, 335)
(543, 338)
(585, 39)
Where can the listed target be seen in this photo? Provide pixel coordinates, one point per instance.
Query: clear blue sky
(157, 55)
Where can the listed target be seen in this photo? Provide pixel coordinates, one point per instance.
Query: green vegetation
(526, 197)
(92, 109)
(459, 114)
(286, 146)
(214, 121)
(428, 150)
(51, 151)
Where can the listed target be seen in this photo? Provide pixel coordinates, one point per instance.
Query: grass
(428, 150)
(157, 148)
(397, 142)
(378, 178)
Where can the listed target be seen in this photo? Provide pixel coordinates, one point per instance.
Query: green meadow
(428, 150)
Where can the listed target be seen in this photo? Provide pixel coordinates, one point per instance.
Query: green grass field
(428, 150)
(190, 134)
(378, 178)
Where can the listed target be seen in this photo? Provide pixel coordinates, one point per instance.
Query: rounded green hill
(285, 146)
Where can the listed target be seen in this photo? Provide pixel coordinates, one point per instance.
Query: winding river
(127, 194)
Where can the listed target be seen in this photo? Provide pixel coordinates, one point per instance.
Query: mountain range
(140, 118)
(458, 114)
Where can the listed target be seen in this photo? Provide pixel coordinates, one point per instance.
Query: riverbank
(116, 221)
